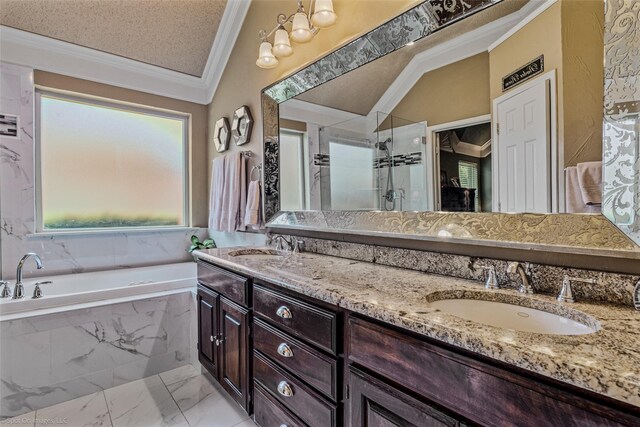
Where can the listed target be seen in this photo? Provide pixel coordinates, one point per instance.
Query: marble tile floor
(180, 397)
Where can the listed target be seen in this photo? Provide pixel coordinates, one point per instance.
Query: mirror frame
(612, 253)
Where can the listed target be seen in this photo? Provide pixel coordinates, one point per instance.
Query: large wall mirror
(467, 107)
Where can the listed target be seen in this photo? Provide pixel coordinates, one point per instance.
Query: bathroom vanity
(317, 340)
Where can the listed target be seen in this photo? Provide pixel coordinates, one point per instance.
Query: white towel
(573, 194)
(252, 215)
(234, 197)
(590, 180)
(217, 191)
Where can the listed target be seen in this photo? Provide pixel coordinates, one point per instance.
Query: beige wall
(198, 148)
(293, 125)
(570, 36)
(583, 75)
(454, 92)
(242, 81)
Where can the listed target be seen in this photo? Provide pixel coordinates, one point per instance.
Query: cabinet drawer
(269, 413)
(478, 391)
(309, 406)
(232, 286)
(303, 320)
(314, 368)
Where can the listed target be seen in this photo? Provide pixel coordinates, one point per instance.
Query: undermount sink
(257, 254)
(510, 316)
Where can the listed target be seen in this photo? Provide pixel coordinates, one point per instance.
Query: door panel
(373, 403)
(234, 350)
(523, 150)
(208, 326)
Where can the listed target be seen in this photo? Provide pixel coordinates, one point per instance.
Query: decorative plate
(242, 125)
(221, 135)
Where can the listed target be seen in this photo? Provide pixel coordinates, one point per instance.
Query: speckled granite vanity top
(607, 361)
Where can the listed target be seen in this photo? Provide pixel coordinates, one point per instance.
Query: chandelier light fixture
(304, 26)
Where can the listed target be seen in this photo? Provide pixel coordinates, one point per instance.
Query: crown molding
(56, 56)
(538, 8)
(449, 52)
(226, 36)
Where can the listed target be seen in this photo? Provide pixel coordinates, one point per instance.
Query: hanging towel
(590, 179)
(573, 194)
(252, 215)
(217, 191)
(234, 197)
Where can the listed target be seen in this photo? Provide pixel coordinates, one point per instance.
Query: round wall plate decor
(221, 135)
(242, 125)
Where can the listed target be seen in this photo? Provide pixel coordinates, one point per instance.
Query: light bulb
(323, 15)
(300, 32)
(281, 45)
(265, 57)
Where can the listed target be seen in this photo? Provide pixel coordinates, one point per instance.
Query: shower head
(382, 145)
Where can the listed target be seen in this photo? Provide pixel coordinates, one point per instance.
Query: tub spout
(18, 291)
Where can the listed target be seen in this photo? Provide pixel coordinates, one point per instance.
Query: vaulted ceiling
(173, 34)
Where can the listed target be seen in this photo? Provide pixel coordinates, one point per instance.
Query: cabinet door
(373, 403)
(234, 350)
(208, 329)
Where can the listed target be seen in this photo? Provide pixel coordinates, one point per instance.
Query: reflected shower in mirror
(499, 112)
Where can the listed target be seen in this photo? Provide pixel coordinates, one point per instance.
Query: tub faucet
(18, 291)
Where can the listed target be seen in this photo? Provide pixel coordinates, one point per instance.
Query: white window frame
(118, 105)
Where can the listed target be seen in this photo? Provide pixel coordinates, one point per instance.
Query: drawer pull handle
(285, 389)
(284, 312)
(284, 350)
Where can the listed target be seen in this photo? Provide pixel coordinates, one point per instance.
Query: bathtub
(86, 290)
(93, 331)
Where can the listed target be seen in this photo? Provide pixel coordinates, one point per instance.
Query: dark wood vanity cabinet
(467, 389)
(223, 331)
(293, 361)
(296, 360)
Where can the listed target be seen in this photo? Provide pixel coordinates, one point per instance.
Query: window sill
(106, 232)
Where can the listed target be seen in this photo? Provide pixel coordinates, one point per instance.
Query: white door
(522, 149)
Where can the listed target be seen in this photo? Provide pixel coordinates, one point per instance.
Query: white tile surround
(180, 397)
(48, 359)
(63, 253)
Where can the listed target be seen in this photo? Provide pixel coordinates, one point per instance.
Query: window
(292, 171)
(106, 165)
(468, 174)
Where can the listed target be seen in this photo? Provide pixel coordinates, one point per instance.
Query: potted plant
(196, 244)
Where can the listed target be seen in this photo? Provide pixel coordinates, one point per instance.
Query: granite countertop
(606, 362)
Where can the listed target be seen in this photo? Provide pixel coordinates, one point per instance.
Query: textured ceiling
(173, 34)
(359, 90)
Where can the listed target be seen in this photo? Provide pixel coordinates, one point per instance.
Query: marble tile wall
(48, 359)
(609, 287)
(64, 253)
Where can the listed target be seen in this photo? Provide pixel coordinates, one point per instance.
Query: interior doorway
(525, 177)
(463, 165)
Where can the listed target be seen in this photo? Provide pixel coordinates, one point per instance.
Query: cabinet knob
(212, 338)
(283, 425)
(284, 312)
(285, 389)
(284, 350)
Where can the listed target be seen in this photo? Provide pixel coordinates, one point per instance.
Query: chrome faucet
(524, 274)
(18, 291)
(280, 241)
(6, 292)
(566, 293)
